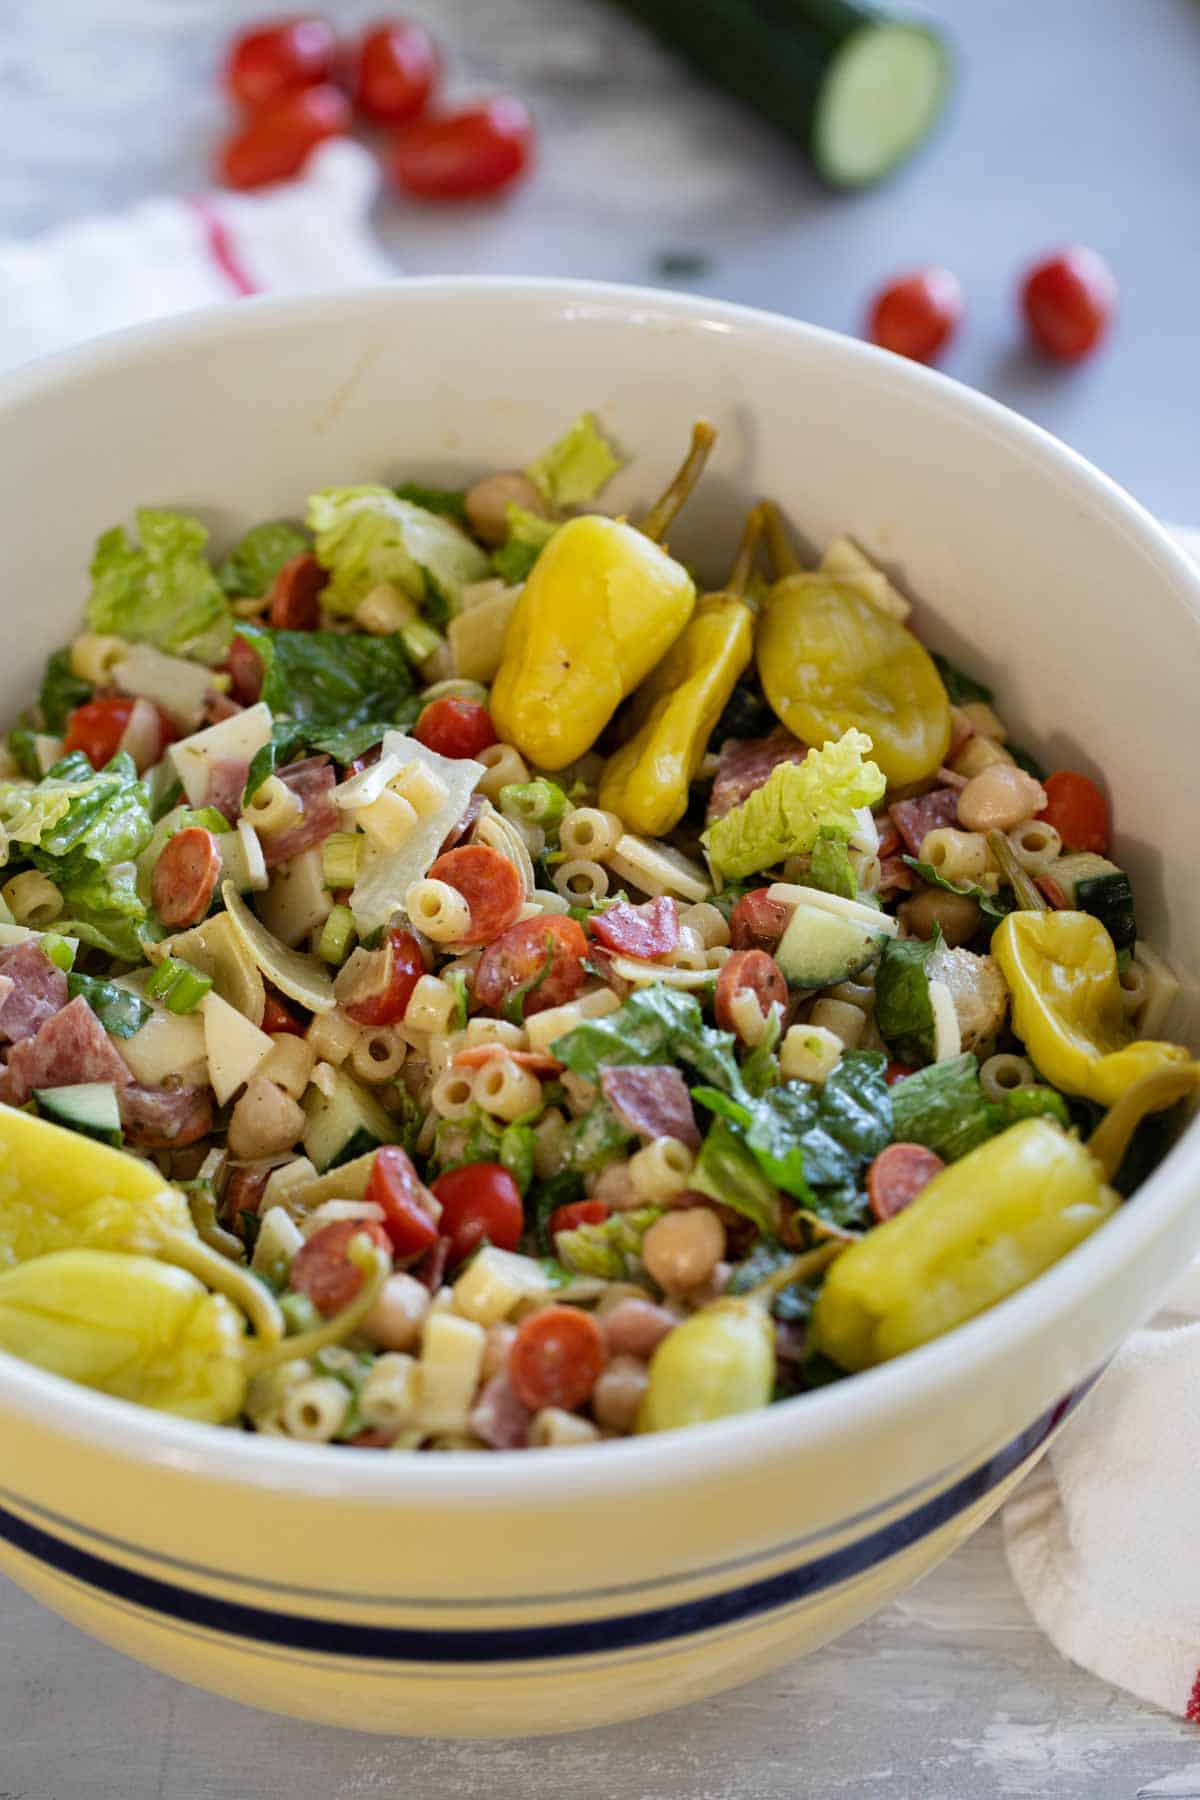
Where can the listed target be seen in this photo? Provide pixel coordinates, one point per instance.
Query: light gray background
(1076, 119)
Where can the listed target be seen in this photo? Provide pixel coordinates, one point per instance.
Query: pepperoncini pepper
(982, 1228)
(60, 1191)
(829, 658)
(1061, 969)
(603, 603)
(646, 782)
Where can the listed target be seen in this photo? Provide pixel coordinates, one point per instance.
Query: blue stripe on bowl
(586, 1637)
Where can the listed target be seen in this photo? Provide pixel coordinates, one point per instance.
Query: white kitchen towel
(1100, 1537)
(169, 254)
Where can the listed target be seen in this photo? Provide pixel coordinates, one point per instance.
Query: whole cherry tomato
(1068, 301)
(455, 727)
(277, 58)
(480, 1200)
(275, 143)
(463, 155)
(395, 72)
(917, 315)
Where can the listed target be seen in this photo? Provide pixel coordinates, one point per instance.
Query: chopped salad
(462, 988)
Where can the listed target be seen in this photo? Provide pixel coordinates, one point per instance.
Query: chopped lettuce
(104, 909)
(994, 907)
(792, 1303)
(728, 1172)
(119, 1010)
(367, 535)
(903, 1009)
(528, 536)
(576, 466)
(784, 817)
(76, 818)
(831, 869)
(160, 592)
(943, 1107)
(596, 1138)
(611, 1250)
(657, 1024)
(961, 688)
(61, 692)
(488, 1140)
(451, 503)
(254, 562)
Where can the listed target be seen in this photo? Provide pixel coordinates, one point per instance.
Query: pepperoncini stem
(779, 545)
(1028, 897)
(1111, 1138)
(662, 514)
(377, 1267)
(224, 1277)
(743, 562)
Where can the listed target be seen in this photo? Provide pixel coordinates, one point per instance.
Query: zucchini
(89, 1107)
(1094, 885)
(344, 1122)
(860, 88)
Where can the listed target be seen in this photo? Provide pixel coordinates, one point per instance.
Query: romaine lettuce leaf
(119, 1010)
(784, 817)
(728, 1172)
(103, 908)
(596, 1138)
(657, 1024)
(903, 1009)
(994, 907)
(576, 466)
(960, 687)
(162, 591)
(254, 562)
(528, 536)
(450, 502)
(77, 820)
(366, 535)
(610, 1250)
(831, 869)
(943, 1107)
(61, 692)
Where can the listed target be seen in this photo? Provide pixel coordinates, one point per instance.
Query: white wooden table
(953, 1693)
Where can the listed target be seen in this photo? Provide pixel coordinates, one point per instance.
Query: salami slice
(913, 819)
(895, 877)
(745, 765)
(459, 831)
(312, 781)
(165, 1118)
(500, 1417)
(650, 930)
(69, 1048)
(653, 1102)
(38, 991)
(226, 781)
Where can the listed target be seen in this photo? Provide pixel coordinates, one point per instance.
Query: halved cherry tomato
(556, 1358)
(480, 1200)
(897, 1175)
(753, 970)
(541, 957)
(896, 1071)
(185, 877)
(295, 603)
(396, 69)
(97, 728)
(278, 1016)
(1077, 810)
(489, 884)
(1068, 301)
(276, 58)
(463, 155)
(383, 1000)
(917, 315)
(650, 930)
(394, 1185)
(757, 922)
(245, 671)
(579, 1212)
(455, 727)
(275, 144)
(322, 1270)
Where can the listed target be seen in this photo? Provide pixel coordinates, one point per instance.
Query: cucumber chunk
(88, 1106)
(344, 1123)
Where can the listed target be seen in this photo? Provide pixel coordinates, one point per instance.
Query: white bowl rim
(473, 1480)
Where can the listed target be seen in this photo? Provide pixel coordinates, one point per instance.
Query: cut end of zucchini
(882, 96)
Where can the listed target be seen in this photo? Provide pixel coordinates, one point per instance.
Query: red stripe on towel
(1193, 1705)
(220, 245)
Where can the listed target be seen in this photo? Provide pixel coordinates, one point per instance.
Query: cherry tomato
(917, 315)
(488, 883)
(384, 998)
(279, 1017)
(544, 957)
(1068, 301)
(395, 1186)
(757, 922)
(295, 603)
(579, 1212)
(753, 970)
(245, 668)
(896, 1071)
(480, 1200)
(455, 727)
(396, 70)
(275, 59)
(185, 877)
(275, 144)
(649, 930)
(556, 1357)
(897, 1175)
(97, 728)
(463, 155)
(322, 1270)
(1077, 810)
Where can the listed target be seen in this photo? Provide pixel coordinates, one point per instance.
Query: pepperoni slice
(488, 883)
(243, 1194)
(897, 1176)
(322, 1270)
(185, 877)
(650, 930)
(543, 957)
(556, 1357)
(245, 671)
(753, 970)
(294, 603)
(538, 1062)
(757, 922)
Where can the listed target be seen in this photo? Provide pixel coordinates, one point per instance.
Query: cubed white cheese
(238, 739)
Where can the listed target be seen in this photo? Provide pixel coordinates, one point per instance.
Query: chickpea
(977, 754)
(395, 1320)
(636, 1328)
(681, 1250)
(999, 798)
(957, 914)
(490, 498)
(985, 720)
(618, 1393)
(264, 1121)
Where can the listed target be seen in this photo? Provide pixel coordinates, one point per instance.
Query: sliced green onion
(1027, 895)
(60, 950)
(537, 802)
(337, 935)
(341, 854)
(299, 1313)
(180, 986)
